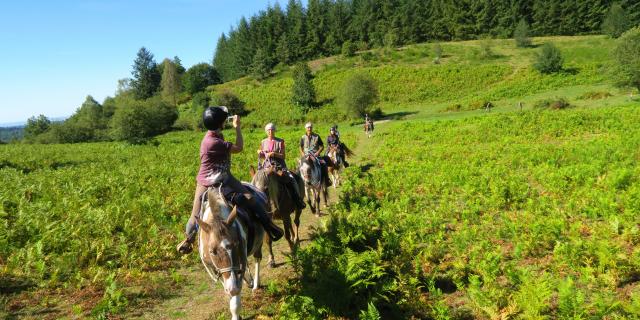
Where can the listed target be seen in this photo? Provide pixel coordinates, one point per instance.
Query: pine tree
(616, 22)
(549, 60)
(304, 94)
(521, 34)
(170, 82)
(146, 79)
(627, 58)
(260, 68)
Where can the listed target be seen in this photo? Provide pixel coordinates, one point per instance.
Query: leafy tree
(521, 34)
(260, 68)
(358, 94)
(627, 58)
(170, 83)
(549, 60)
(616, 22)
(348, 49)
(124, 86)
(36, 126)
(304, 94)
(146, 78)
(199, 76)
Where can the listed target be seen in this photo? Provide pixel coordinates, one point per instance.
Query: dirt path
(199, 298)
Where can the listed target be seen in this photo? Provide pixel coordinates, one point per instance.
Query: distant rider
(312, 143)
(215, 164)
(333, 140)
(272, 154)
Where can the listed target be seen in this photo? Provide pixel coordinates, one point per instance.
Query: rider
(272, 150)
(334, 140)
(311, 142)
(215, 164)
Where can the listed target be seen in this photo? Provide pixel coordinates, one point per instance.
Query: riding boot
(186, 246)
(295, 193)
(258, 212)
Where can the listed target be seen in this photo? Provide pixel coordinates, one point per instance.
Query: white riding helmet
(308, 125)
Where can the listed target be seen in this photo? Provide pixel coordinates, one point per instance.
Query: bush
(627, 59)
(137, 121)
(595, 95)
(549, 60)
(348, 49)
(231, 101)
(437, 51)
(486, 44)
(481, 104)
(36, 126)
(558, 103)
(358, 94)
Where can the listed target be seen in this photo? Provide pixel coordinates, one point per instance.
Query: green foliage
(486, 46)
(198, 77)
(521, 34)
(300, 307)
(549, 59)
(113, 300)
(349, 49)
(370, 314)
(229, 99)
(557, 104)
(36, 126)
(146, 77)
(137, 121)
(358, 94)
(170, 83)
(260, 68)
(627, 59)
(616, 22)
(437, 51)
(303, 94)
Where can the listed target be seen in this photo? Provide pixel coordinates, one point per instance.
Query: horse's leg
(296, 231)
(288, 230)
(317, 201)
(234, 307)
(310, 199)
(325, 193)
(271, 262)
(256, 280)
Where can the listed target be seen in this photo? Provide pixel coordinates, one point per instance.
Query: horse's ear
(252, 171)
(205, 226)
(232, 216)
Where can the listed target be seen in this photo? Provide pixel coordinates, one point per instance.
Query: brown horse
(281, 204)
(336, 165)
(227, 237)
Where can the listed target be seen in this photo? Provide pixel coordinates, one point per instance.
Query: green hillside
(450, 211)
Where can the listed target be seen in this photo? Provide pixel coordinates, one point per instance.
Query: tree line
(325, 27)
(143, 106)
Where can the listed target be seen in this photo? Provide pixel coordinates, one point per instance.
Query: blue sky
(55, 53)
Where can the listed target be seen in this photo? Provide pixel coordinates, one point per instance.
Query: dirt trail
(199, 298)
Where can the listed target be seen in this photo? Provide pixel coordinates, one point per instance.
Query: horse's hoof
(272, 264)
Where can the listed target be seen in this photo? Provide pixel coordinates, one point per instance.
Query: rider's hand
(236, 121)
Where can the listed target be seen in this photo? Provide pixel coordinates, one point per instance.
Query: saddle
(209, 197)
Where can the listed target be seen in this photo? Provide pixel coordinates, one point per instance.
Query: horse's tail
(347, 151)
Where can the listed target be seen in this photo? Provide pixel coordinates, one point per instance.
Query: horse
(311, 173)
(337, 164)
(226, 238)
(368, 127)
(281, 204)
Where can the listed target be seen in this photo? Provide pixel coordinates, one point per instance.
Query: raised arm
(238, 146)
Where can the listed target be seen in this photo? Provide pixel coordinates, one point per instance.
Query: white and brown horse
(227, 237)
(281, 205)
(311, 173)
(336, 165)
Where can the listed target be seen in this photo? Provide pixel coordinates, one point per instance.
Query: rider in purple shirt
(215, 164)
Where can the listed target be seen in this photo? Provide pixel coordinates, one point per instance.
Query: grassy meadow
(450, 212)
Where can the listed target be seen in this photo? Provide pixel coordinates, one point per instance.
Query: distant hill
(11, 133)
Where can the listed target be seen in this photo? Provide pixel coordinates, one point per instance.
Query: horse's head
(260, 178)
(306, 167)
(221, 248)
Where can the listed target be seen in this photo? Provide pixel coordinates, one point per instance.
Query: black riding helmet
(214, 117)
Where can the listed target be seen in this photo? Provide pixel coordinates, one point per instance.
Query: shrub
(358, 94)
(231, 101)
(137, 121)
(453, 108)
(486, 44)
(627, 59)
(480, 104)
(558, 103)
(595, 95)
(348, 49)
(549, 60)
(437, 51)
